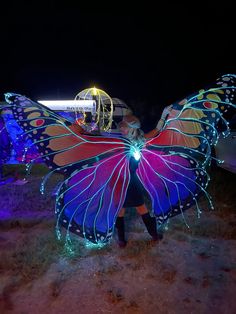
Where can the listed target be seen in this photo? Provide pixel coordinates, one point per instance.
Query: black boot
(120, 226)
(151, 225)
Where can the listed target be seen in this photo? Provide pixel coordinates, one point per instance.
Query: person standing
(130, 128)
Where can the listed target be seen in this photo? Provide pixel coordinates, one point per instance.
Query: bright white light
(136, 153)
(70, 105)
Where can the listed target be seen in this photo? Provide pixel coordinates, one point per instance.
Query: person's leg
(150, 222)
(120, 226)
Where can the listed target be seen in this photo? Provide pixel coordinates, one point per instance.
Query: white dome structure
(104, 106)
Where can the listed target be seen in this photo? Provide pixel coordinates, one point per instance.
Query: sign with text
(70, 105)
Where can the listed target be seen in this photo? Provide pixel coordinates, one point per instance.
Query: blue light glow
(135, 152)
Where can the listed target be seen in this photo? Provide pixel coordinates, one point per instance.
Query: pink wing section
(172, 182)
(88, 203)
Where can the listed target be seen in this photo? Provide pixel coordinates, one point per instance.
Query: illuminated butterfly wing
(173, 164)
(96, 170)
(60, 143)
(88, 203)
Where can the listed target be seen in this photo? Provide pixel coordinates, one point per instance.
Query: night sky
(140, 54)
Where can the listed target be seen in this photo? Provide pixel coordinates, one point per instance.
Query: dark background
(147, 55)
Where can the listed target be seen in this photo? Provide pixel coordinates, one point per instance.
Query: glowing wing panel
(191, 126)
(96, 170)
(173, 164)
(59, 142)
(172, 181)
(89, 201)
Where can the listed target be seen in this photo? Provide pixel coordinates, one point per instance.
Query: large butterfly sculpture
(172, 166)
